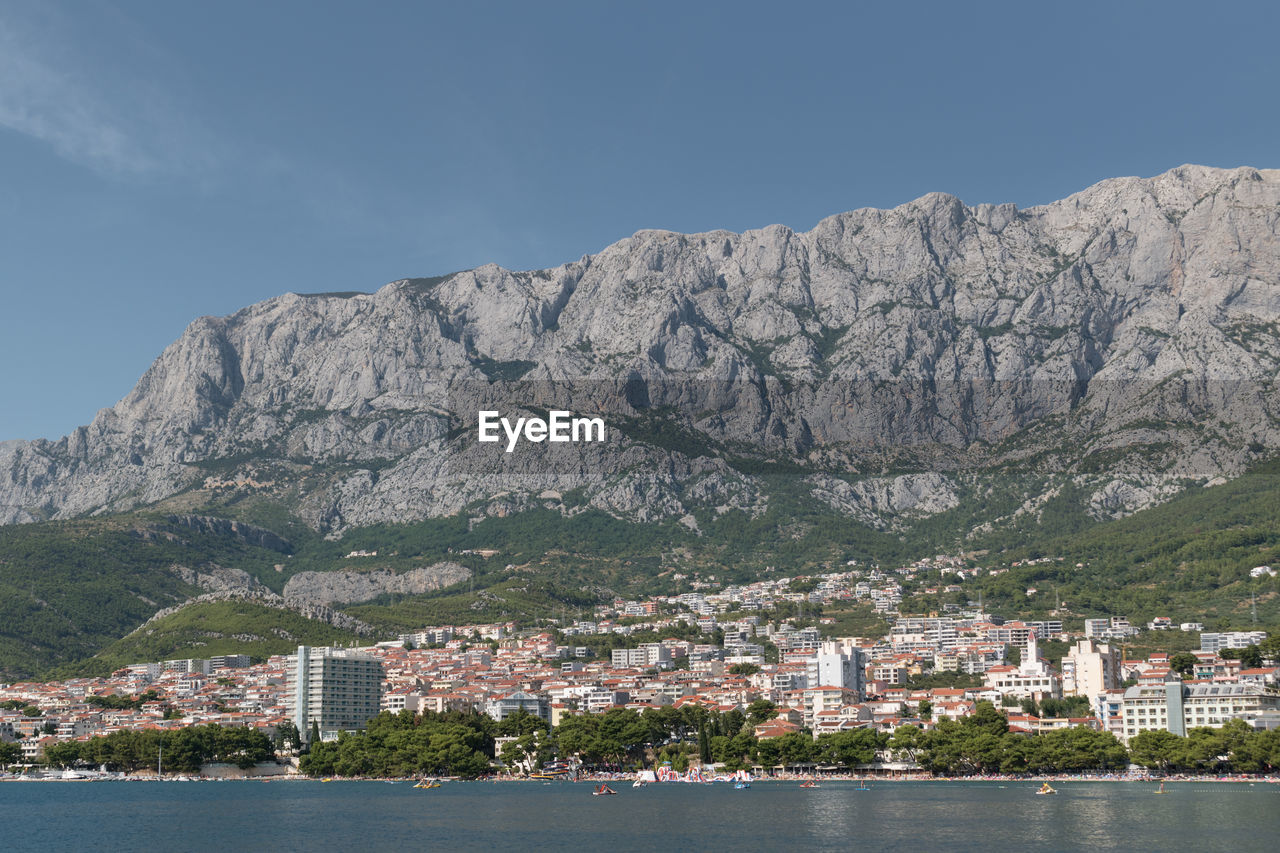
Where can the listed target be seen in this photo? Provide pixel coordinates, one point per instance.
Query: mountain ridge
(927, 339)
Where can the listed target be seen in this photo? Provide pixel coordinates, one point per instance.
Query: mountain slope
(890, 384)
(207, 629)
(1189, 559)
(68, 589)
(1138, 314)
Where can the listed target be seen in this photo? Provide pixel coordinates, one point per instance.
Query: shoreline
(1271, 779)
(595, 778)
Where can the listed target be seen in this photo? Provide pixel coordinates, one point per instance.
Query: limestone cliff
(1124, 339)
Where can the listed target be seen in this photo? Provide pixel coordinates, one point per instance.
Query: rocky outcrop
(246, 533)
(311, 589)
(1124, 339)
(218, 579)
(878, 501)
(262, 595)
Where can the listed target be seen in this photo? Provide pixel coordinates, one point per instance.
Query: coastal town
(722, 649)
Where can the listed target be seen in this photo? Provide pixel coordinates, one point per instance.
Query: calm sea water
(374, 816)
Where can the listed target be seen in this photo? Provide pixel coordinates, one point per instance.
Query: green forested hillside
(70, 590)
(1188, 559)
(67, 589)
(205, 629)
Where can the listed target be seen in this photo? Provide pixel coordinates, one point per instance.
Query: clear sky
(163, 160)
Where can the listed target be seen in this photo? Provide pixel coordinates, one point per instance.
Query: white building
(647, 655)
(428, 637)
(1115, 628)
(1211, 642)
(1031, 679)
(336, 689)
(501, 707)
(396, 701)
(1046, 629)
(1176, 706)
(1089, 669)
(837, 665)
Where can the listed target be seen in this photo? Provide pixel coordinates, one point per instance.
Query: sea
(360, 817)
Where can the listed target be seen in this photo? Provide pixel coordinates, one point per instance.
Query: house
(774, 728)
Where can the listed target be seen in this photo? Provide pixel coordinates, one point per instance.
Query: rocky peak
(933, 332)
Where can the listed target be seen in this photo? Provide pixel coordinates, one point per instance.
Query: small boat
(809, 784)
(1046, 788)
(740, 784)
(602, 791)
(428, 783)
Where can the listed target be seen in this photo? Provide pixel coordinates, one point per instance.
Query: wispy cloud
(102, 122)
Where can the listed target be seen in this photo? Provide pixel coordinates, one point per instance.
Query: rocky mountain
(325, 588)
(889, 364)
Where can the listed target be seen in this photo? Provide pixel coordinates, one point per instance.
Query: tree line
(465, 744)
(185, 750)
(1233, 748)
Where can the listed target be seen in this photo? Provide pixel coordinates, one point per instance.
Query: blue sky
(160, 161)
